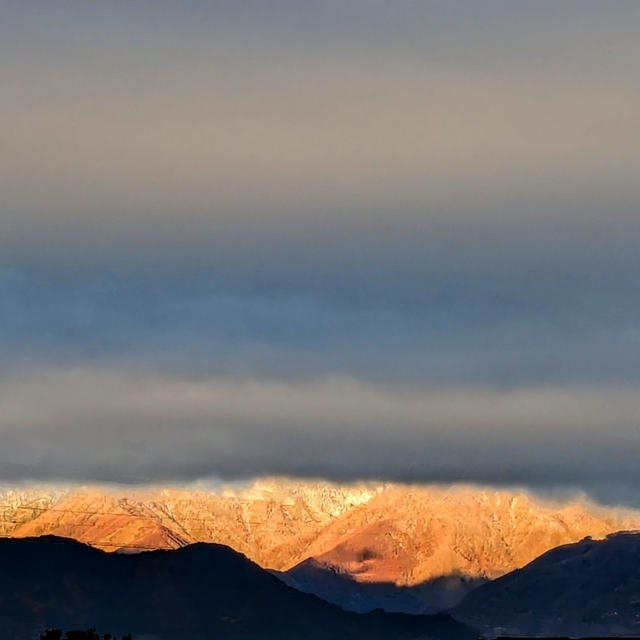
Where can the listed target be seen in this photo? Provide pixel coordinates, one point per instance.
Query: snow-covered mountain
(364, 540)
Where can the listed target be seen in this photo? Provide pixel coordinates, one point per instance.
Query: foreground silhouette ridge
(199, 592)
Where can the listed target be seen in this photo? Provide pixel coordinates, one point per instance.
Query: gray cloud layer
(413, 227)
(137, 427)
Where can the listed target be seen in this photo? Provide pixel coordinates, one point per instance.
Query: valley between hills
(405, 548)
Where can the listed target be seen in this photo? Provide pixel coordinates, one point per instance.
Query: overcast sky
(364, 239)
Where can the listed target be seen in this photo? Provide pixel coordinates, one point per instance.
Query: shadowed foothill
(199, 592)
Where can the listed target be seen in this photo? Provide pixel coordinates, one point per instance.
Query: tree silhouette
(79, 634)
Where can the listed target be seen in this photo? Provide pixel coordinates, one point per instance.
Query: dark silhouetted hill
(590, 588)
(202, 591)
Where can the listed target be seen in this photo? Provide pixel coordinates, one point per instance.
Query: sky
(374, 239)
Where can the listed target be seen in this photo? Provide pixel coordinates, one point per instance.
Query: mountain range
(414, 549)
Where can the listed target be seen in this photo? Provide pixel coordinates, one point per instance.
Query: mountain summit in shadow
(201, 591)
(590, 588)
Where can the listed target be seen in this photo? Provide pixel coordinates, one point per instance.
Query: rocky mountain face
(440, 543)
(103, 520)
(200, 591)
(271, 522)
(21, 505)
(589, 588)
(410, 535)
(364, 540)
